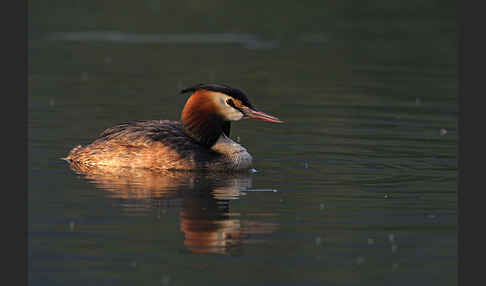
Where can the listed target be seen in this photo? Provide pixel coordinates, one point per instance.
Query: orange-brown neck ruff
(200, 120)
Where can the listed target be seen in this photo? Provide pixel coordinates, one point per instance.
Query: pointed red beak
(250, 113)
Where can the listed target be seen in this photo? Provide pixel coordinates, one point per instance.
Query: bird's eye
(230, 102)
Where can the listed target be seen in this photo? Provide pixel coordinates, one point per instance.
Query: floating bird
(200, 141)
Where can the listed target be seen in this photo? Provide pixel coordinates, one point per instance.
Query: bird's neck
(201, 123)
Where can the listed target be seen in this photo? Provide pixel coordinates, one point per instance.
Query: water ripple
(248, 41)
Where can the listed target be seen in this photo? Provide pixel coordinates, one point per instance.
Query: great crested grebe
(200, 141)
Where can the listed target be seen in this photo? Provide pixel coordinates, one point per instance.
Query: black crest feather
(231, 91)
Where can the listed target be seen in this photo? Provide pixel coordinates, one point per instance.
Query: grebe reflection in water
(204, 200)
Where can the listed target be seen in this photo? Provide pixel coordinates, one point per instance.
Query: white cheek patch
(228, 112)
(232, 114)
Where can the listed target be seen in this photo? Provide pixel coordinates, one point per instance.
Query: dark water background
(358, 187)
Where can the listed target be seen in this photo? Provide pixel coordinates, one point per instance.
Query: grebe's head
(211, 108)
(228, 102)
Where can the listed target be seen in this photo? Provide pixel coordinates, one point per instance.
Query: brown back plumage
(157, 144)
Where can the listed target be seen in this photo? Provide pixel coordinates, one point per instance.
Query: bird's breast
(234, 152)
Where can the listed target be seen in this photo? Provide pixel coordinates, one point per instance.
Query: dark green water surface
(357, 187)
